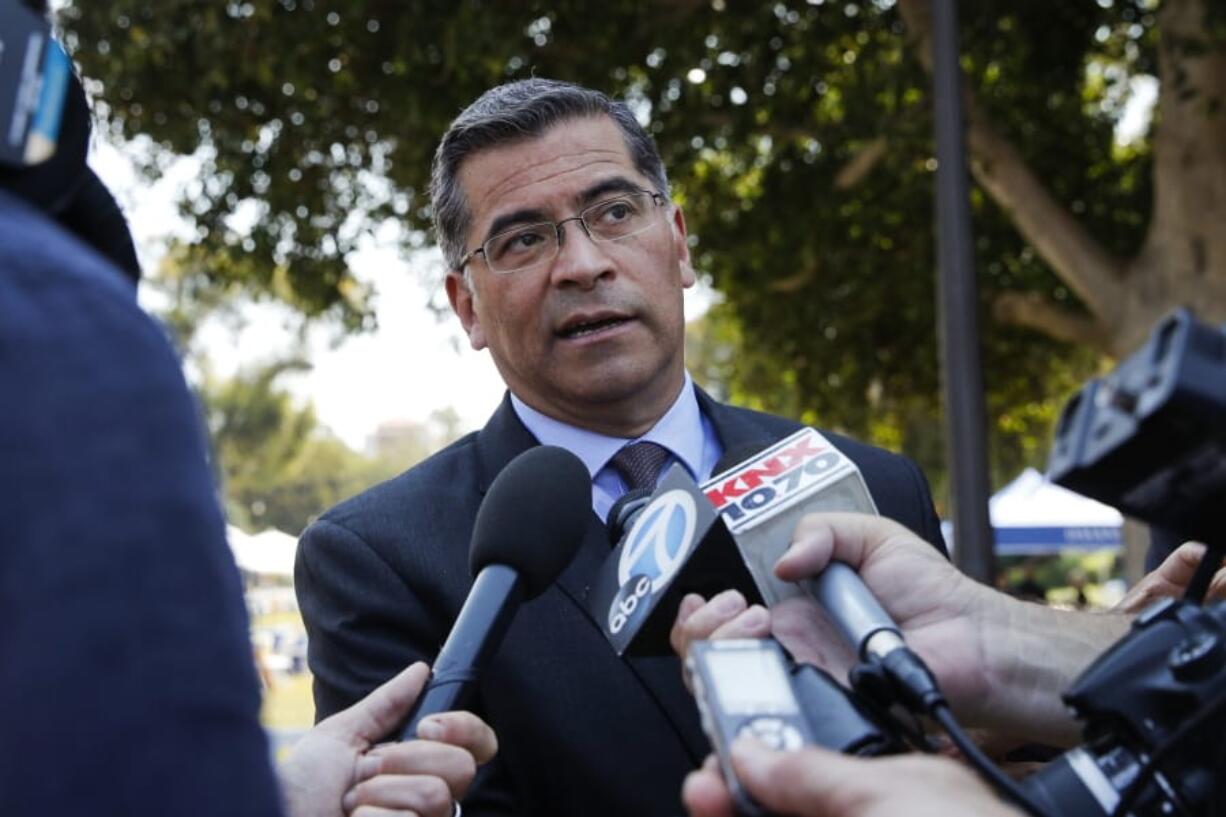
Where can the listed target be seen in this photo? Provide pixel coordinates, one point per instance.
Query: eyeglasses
(531, 244)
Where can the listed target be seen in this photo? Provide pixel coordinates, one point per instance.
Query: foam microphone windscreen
(534, 516)
(624, 511)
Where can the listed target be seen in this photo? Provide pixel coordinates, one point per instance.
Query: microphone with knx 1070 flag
(763, 501)
(764, 497)
(527, 531)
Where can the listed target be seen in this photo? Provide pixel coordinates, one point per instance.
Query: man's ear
(463, 303)
(682, 248)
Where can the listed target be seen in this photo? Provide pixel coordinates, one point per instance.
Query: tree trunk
(1135, 545)
(1183, 257)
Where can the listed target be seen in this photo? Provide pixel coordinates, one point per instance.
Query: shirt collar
(680, 430)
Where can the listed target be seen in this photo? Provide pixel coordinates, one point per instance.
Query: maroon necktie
(639, 464)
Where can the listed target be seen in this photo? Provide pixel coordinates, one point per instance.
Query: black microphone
(624, 511)
(763, 497)
(527, 531)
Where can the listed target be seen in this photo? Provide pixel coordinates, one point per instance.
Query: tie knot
(639, 464)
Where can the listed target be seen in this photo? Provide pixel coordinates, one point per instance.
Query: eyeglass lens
(531, 244)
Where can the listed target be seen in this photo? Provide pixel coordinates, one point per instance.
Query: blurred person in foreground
(1002, 663)
(126, 680)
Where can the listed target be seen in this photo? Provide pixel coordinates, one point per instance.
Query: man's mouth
(580, 329)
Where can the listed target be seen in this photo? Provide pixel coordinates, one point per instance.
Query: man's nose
(581, 260)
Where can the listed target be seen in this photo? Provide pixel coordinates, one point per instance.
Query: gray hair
(514, 112)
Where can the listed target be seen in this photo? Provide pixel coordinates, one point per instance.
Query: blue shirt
(684, 430)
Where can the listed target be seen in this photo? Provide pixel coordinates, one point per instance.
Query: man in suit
(567, 262)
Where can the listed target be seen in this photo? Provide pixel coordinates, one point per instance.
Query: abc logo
(627, 602)
(660, 540)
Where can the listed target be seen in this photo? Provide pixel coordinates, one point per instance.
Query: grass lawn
(288, 703)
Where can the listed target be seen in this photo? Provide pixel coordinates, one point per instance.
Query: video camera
(1150, 439)
(1152, 708)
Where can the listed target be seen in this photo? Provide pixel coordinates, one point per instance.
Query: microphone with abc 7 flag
(527, 531)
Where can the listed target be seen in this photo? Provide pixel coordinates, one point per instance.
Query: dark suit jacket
(127, 685)
(381, 577)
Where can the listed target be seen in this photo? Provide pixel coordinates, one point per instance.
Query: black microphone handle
(840, 719)
(496, 594)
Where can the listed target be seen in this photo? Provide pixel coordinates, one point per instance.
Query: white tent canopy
(268, 553)
(1031, 515)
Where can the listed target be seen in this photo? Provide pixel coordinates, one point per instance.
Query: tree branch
(861, 164)
(796, 282)
(1034, 311)
(1091, 272)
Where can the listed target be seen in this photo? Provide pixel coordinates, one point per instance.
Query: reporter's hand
(1171, 579)
(726, 615)
(818, 783)
(1002, 663)
(937, 607)
(910, 578)
(332, 757)
(424, 776)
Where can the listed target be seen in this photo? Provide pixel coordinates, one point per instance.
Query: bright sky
(405, 370)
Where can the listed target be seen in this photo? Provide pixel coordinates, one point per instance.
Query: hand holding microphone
(871, 632)
(1002, 663)
(940, 612)
(336, 768)
(764, 495)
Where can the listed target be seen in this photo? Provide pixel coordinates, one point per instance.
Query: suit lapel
(503, 439)
(506, 437)
(734, 429)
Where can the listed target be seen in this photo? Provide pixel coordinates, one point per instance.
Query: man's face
(594, 337)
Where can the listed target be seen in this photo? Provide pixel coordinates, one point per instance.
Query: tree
(278, 467)
(1181, 257)
(798, 137)
(726, 363)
